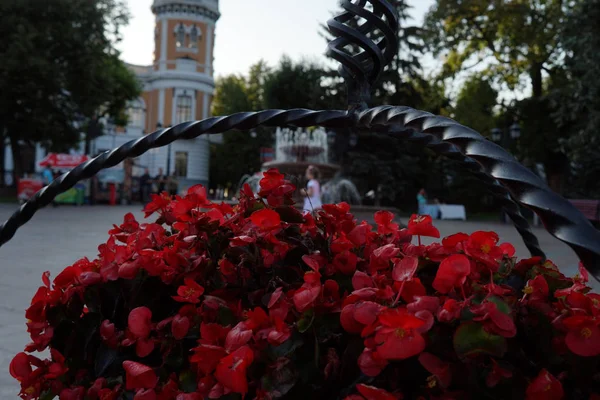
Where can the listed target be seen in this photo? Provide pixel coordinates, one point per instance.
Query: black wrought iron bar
(163, 137)
(559, 216)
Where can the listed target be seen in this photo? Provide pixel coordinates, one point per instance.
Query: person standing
(422, 201)
(47, 175)
(312, 193)
(161, 181)
(145, 186)
(172, 184)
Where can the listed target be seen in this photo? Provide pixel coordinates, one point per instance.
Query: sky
(250, 30)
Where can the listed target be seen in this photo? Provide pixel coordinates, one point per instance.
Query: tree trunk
(536, 80)
(17, 158)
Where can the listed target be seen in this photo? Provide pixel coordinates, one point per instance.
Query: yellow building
(177, 87)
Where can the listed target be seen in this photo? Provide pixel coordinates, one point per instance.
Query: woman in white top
(312, 193)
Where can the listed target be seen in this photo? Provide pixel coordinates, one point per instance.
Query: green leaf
(286, 348)
(470, 339)
(500, 304)
(187, 382)
(47, 395)
(305, 322)
(226, 317)
(105, 359)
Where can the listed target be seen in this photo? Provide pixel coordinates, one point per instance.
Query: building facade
(177, 87)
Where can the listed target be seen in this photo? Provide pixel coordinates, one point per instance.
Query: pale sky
(249, 30)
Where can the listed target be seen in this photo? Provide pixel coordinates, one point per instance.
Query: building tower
(178, 87)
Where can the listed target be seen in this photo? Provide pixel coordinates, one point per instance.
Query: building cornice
(208, 9)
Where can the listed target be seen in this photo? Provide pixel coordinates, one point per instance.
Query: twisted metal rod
(186, 130)
(453, 153)
(361, 70)
(561, 219)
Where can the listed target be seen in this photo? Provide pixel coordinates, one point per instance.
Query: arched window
(136, 114)
(194, 35)
(180, 35)
(183, 111)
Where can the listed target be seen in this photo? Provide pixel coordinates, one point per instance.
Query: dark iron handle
(186, 130)
(560, 218)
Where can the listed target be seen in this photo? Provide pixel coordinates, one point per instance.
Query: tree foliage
(60, 70)
(514, 38)
(475, 104)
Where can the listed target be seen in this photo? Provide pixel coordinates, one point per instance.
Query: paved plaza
(56, 237)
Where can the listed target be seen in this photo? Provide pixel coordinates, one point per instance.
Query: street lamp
(496, 135)
(515, 130)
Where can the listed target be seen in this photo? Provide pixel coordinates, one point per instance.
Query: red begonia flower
(373, 393)
(494, 320)
(482, 247)
(272, 179)
(143, 347)
(440, 369)
(20, 368)
(139, 376)
(449, 311)
(358, 235)
(145, 394)
(420, 303)
(422, 225)
(190, 292)
(345, 262)
(180, 326)
(583, 337)
(545, 387)
(537, 288)
(207, 357)
(139, 322)
(231, 371)
(314, 261)
(361, 280)
(237, 337)
(405, 269)
(398, 338)
(370, 363)
(496, 374)
(266, 219)
(385, 222)
(75, 393)
(452, 273)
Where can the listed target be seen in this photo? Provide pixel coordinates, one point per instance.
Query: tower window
(183, 111)
(194, 34)
(180, 35)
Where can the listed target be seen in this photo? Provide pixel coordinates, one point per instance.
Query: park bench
(589, 208)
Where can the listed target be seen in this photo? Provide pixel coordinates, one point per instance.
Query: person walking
(312, 193)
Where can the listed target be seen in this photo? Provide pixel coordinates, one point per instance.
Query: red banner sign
(66, 161)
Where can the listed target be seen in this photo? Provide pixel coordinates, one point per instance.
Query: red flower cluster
(258, 301)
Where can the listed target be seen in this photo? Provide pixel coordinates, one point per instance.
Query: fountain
(295, 150)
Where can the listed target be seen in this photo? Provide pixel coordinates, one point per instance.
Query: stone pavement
(56, 237)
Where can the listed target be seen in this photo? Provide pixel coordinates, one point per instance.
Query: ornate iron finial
(372, 26)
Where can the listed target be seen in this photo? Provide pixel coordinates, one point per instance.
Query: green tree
(60, 70)
(512, 38)
(239, 152)
(578, 99)
(475, 104)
